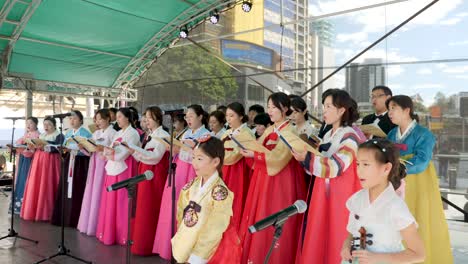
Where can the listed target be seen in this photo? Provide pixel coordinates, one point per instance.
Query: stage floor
(80, 245)
(90, 249)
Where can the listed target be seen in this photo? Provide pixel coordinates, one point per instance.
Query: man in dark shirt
(380, 94)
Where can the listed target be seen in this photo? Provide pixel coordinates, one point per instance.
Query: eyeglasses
(376, 96)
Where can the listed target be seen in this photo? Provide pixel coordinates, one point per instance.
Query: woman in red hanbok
(236, 172)
(277, 182)
(152, 156)
(336, 181)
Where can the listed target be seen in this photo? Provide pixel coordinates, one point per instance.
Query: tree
(441, 101)
(178, 66)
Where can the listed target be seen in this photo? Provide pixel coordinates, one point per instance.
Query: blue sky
(439, 33)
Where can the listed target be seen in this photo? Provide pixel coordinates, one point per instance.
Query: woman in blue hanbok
(422, 194)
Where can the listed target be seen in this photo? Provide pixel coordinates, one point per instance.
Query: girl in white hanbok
(379, 220)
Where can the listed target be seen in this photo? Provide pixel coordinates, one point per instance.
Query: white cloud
(424, 71)
(371, 20)
(391, 56)
(451, 21)
(353, 37)
(339, 80)
(395, 70)
(463, 14)
(464, 77)
(458, 43)
(427, 86)
(456, 69)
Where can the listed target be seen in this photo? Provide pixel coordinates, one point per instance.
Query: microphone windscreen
(149, 175)
(301, 206)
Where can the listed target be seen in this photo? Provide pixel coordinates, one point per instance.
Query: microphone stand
(278, 231)
(62, 249)
(131, 192)
(171, 182)
(11, 230)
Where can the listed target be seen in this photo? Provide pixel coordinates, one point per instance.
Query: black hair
(214, 148)
(281, 100)
(113, 110)
(299, 105)
(238, 108)
(78, 114)
(52, 120)
(326, 93)
(128, 114)
(262, 119)
(34, 119)
(104, 113)
(198, 109)
(221, 108)
(404, 102)
(341, 99)
(257, 108)
(220, 116)
(387, 152)
(384, 89)
(180, 118)
(156, 114)
(136, 117)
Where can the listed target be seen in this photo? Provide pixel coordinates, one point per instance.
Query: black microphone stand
(278, 231)
(62, 249)
(131, 192)
(171, 181)
(11, 230)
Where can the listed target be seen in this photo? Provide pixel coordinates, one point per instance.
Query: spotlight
(214, 18)
(183, 32)
(246, 6)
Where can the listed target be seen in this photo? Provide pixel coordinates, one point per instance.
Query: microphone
(174, 112)
(298, 207)
(60, 115)
(14, 117)
(148, 175)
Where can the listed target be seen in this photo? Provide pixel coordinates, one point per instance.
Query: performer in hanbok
(76, 169)
(336, 180)
(300, 118)
(216, 122)
(41, 186)
(180, 125)
(204, 210)
(152, 156)
(113, 211)
(275, 185)
(379, 220)
(196, 120)
(262, 122)
(422, 194)
(24, 162)
(94, 183)
(236, 171)
(380, 94)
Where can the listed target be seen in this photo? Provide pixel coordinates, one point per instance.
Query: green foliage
(179, 65)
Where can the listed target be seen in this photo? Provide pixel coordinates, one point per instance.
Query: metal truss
(163, 39)
(19, 27)
(69, 89)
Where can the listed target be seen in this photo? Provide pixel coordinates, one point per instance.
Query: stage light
(214, 18)
(246, 6)
(183, 33)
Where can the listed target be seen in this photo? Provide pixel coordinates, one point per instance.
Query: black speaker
(464, 106)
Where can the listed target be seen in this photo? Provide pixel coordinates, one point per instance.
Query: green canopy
(102, 43)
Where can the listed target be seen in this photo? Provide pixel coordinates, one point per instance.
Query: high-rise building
(320, 62)
(361, 78)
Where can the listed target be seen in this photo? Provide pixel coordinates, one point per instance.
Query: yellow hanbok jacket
(203, 214)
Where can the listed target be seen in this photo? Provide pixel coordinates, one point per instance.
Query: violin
(363, 239)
